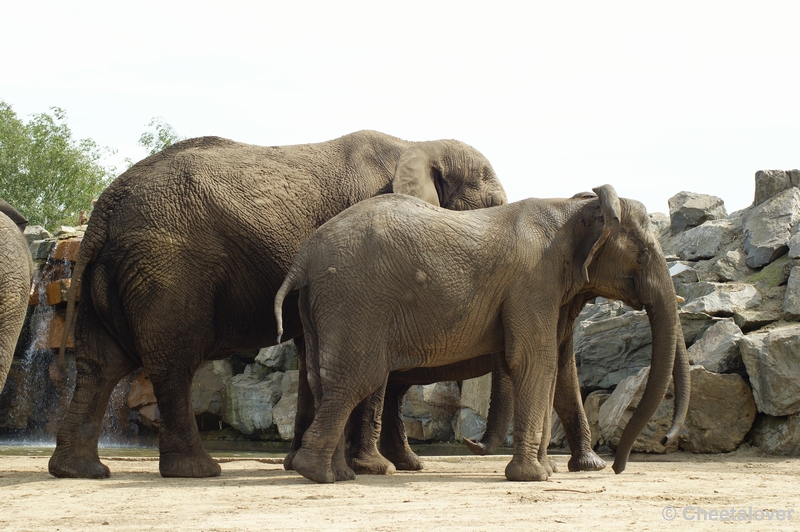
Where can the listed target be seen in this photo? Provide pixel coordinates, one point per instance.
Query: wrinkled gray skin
(185, 251)
(16, 274)
(394, 283)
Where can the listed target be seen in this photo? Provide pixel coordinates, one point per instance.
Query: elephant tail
(294, 279)
(91, 244)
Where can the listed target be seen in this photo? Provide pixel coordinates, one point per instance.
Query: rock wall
(739, 277)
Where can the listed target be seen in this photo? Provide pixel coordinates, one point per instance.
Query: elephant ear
(610, 207)
(416, 175)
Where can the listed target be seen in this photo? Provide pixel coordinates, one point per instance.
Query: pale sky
(653, 98)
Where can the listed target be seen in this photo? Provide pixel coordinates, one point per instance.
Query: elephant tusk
(680, 299)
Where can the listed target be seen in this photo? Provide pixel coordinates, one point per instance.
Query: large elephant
(184, 253)
(394, 283)
(16, 274)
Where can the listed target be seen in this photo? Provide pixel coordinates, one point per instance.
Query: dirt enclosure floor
(677, 491)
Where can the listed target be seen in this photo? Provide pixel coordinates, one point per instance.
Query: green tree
(160, 137)
(45, 174)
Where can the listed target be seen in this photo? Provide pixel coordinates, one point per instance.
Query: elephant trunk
(663, 315)
(683, 385)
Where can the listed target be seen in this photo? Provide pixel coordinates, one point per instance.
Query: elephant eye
(643, 258)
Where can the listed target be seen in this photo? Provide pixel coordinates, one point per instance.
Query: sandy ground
(680, 490)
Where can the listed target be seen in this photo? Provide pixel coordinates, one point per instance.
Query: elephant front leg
(569, 407)
(363, 431)
(181, 452)
(533, 381)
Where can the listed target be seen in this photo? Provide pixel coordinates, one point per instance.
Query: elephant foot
(188, 466)
(586, 461)
(66, 464)
(404, 459)
(550, 466)
(312, 468)
(526, 470)
(371, 464)
(476, 447)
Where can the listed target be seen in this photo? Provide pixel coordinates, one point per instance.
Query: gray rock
(729, 266)
(281, 357)
(290, 382)
(688, 209)
(694, 325)
(721, 412)
(772, 359)
(471, 419)
(283, 414)
(770, 183)
(659, 222)
(777, 435)
(682, 273)
(706, 240)
(722, 299)
(40, 249)
(592, 406)
(36, 232)
(750, 320)
(208, 386)
(610, 346)
(794, 245)
(717, 349)
(428, 410)
(468, 425)
(791, 301)
(248, 401)
(617, 410)
(767, 227)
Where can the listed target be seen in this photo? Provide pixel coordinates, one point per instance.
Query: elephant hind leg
(335, 400)
(100, 364)
(393, 440)
(363, 431)
(181, 453)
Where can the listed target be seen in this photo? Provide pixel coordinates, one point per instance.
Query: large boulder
(772, 360)
(283, 413)
(428, 410)
(717, 349)
(611, 342)
(770, 183)
(719, 299)
(688, 209)
(474, 403)
(721, 412)
(768, 227)
(617, 410)
(791, 300)
(592, 406)
(706, 240)
(208, 386)
(281, 357)
(249, 399)
(777, 435)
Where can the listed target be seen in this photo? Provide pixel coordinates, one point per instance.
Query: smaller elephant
(16, 274)
(394, 283)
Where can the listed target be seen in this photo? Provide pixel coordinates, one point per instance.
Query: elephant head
(622, 260)
(449, 174)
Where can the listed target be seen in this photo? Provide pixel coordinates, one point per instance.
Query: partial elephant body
(394, 284)
(16, 274)
(185, 251)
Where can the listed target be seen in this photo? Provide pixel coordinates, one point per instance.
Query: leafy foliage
(45, 174)
(162, 136)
